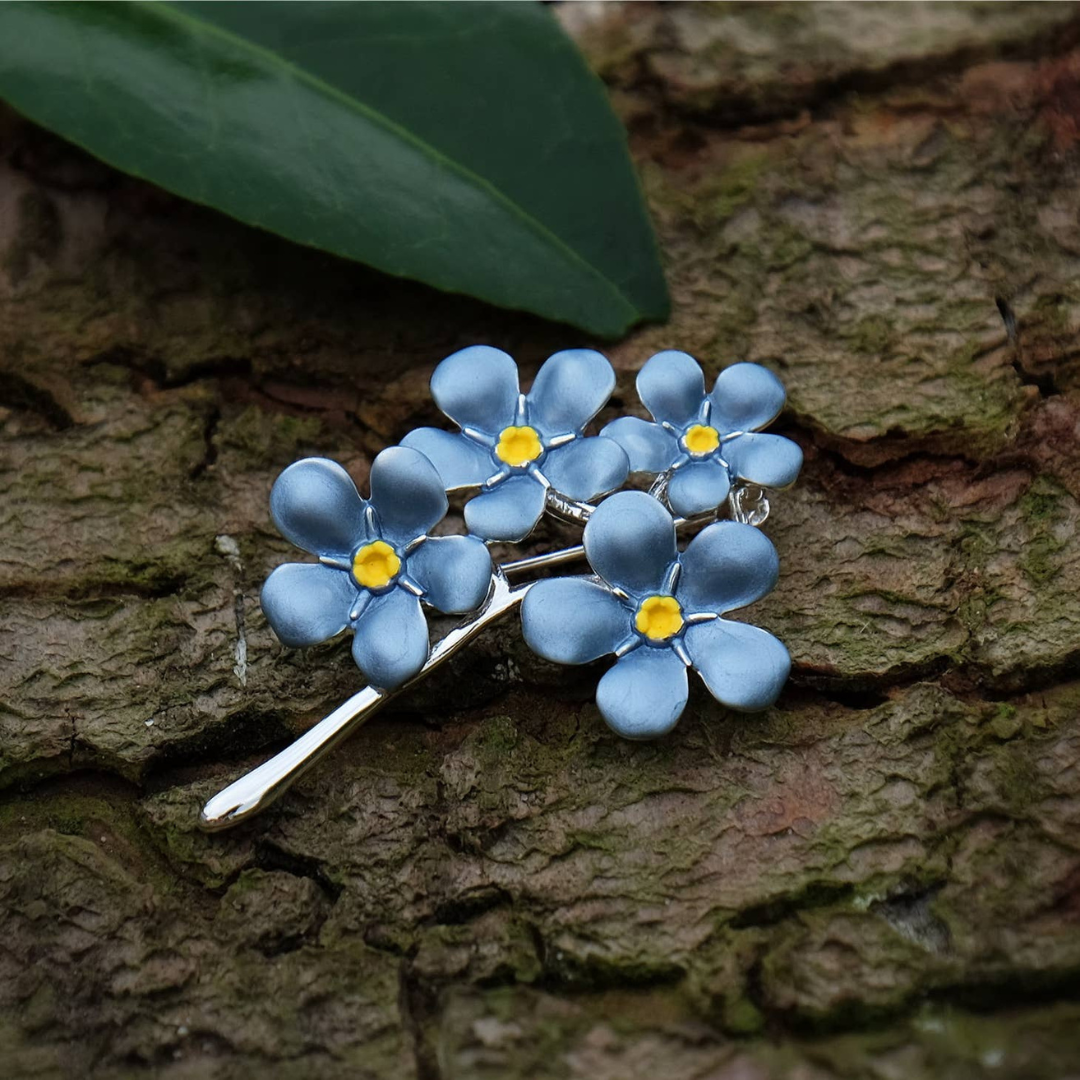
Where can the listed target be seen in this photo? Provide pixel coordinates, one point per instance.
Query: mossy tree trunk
(878, 878)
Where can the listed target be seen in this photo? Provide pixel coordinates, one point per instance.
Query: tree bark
(880, 877)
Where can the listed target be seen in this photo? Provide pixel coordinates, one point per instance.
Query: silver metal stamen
(335, 562)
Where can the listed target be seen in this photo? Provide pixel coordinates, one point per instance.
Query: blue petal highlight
(570, 388)
(644, 694)
(407, 493)
(698, 486)
(649, 447)
(769, 460)
(586, 468)
(746, 397)
(391, 642)
(672, 387)
(744, 667)
(509, 511)
(573, 620)
(315, 504)
(453, 571)
(477, 387)
(725, 567)
(630, 542)
(306, 603)
(460, 462)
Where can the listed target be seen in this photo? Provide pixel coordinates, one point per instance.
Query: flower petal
(630, 542)
(587, 467)
(477, 387)
(407, 493)
(746, 397)
(315, 504)
(648, 446)
(453, 571)
(459, 461)
(570, 388)
(698, 486)
(572, 620)
(744, 667)
(726, 566)
(769, 460)
(672, 387)
(391, 642)
(644, 694)
(306, 603)
(509, 511)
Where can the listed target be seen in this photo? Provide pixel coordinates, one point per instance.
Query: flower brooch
(376, 562)
(659, 611)
(517, 448)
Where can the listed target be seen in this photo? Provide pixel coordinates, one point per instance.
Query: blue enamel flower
(376, 562)
(707, 441)
(516, 446)
(661, 612)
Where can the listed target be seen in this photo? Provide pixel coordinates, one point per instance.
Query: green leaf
(462, 144)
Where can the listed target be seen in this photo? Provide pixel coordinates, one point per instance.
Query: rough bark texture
(878, 878)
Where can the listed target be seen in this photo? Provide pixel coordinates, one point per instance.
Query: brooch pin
(659, 611)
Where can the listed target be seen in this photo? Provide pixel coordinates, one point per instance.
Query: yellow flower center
(659, 617)
(518, 445)
(375, 565)
(701, 439)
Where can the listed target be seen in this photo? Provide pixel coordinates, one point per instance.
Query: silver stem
(660, 486)
(260, 787)
(548, 558)
(577, 513)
